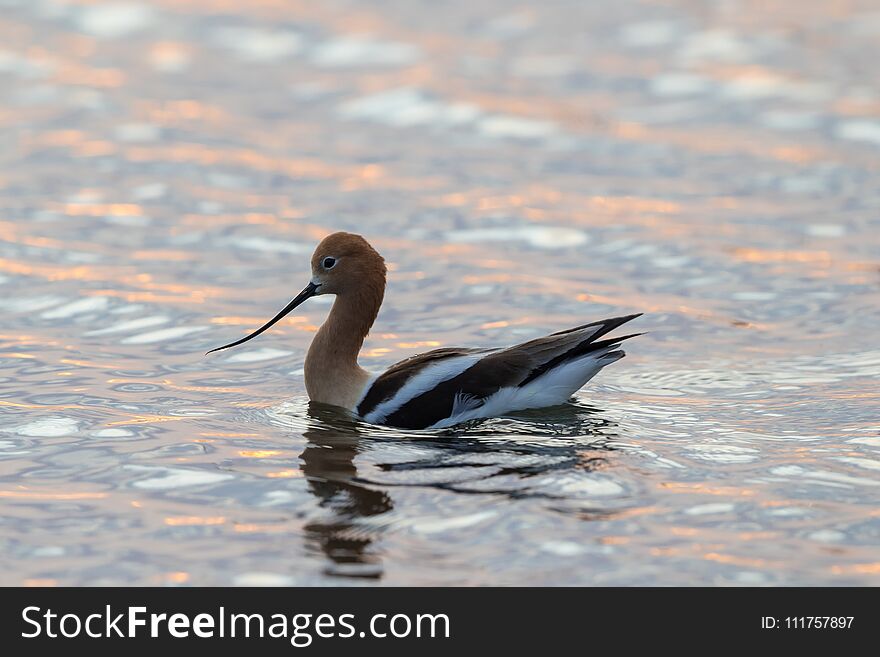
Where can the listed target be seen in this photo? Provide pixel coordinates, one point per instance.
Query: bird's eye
(328, 263)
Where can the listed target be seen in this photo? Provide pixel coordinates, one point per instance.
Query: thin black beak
(309, 291)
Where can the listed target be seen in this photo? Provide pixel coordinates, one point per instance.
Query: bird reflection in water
(526, 446)
(328, 465)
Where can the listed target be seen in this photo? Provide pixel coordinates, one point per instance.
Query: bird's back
(451, 385)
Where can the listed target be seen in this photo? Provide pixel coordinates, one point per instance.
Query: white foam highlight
(407, 106)
(831, 478)
(163, 334)
(543, 237)
(723, 453)
(716, 46)
(868, 464)
(150, 191)
(115, 20)
(789, 120)
(870, 440)
(709, 509)
(29, 304)
(113, 433)
(78, 307)
(591, 485)
(562, 548)
(138, 132)
(259, 45)
(680, 84)
(262, 579)
(49, 427)
(170, 478)
(449, 524)
(826, 230)
(516, 127)
(859, 130)
(132, 325)
(257, 355)
(360, 51)
(269, 245)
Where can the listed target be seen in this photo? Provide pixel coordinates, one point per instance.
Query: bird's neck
(332, 373)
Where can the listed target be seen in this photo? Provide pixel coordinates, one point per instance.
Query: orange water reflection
(720, 181)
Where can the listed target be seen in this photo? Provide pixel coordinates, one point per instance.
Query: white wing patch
(465, 402)
(426, 379)
(550, 389)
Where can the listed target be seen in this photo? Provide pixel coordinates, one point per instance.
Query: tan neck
(332, 373)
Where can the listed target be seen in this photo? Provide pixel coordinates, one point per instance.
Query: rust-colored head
(345, 263)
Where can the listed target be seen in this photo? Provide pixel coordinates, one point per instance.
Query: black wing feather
(514, 366)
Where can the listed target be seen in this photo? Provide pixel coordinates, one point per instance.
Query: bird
(439, 388)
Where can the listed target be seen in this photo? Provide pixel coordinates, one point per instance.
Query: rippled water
(167, 168)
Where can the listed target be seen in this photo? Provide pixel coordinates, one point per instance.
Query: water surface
(167, 168)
